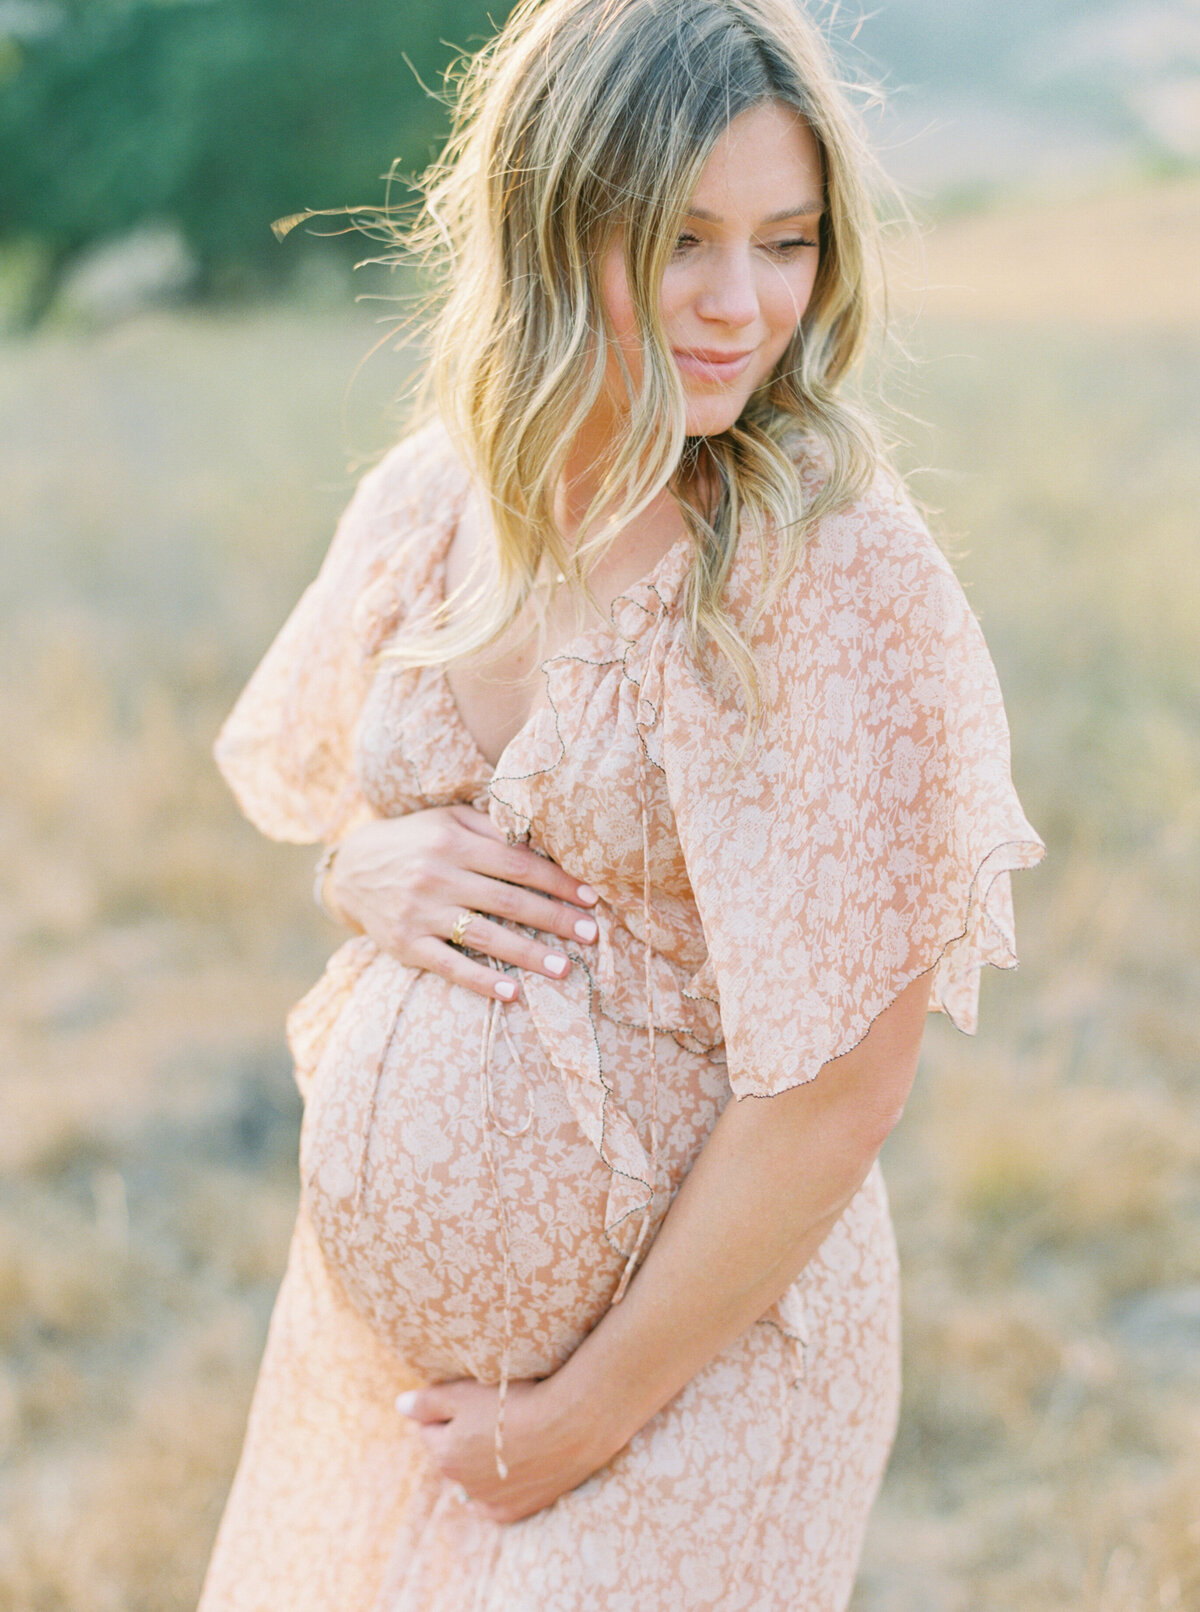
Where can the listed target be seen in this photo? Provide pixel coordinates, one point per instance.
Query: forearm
(769, 1184)
(740, 1230)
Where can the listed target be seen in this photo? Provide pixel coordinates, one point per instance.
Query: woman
(659, 762)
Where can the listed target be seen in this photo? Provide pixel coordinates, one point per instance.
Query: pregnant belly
(409, 1185)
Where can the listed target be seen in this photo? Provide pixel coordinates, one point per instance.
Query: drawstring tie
(364, 1142)
(489, 1120)
(495, 1020)
(651, 1047)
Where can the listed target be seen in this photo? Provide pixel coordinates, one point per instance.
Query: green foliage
(218, 114)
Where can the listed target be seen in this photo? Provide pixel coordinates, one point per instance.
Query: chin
(708, 417)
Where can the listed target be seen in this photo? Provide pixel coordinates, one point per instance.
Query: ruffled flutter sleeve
(868, 833)
(287, 748)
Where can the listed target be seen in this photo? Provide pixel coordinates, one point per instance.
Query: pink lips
(706, 364)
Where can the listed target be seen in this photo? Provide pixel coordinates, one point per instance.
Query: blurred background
(185, 406)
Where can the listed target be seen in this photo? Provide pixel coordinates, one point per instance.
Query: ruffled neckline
(633, 613)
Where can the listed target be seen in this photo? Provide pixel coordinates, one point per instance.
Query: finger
(478, 822)
(488, 852)
(438, 957)
(496, 899)
(507, 946)
(437, 1403)
(523, 866)
(424, 1405)
(495, 858)
(517, 864)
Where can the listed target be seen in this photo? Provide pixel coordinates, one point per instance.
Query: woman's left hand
(546, 1452)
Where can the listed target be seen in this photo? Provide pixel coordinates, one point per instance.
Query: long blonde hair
(580, 119)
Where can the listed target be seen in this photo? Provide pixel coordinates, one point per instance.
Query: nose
(730, 294)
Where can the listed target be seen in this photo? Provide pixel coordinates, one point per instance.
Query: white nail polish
(586, 929)
(506, 990)
(405, 1402)
(556, 965)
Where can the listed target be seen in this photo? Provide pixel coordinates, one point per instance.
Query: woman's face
(742, 272)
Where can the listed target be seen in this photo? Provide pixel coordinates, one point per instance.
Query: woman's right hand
(405, 882)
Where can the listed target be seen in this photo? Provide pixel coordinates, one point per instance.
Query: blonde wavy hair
(581, 119)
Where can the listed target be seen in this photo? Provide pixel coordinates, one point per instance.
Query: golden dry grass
(168, 487)
(1120, 258)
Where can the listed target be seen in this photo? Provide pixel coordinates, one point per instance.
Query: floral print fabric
(479, 1181)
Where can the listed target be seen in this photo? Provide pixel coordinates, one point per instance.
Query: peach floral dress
(479, 1181)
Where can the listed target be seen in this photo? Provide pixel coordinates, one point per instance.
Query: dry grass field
(168, 486)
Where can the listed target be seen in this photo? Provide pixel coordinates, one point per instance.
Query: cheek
(785, 300)
(618, 304)
(675, 297)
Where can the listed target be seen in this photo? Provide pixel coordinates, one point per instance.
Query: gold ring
(461, 925)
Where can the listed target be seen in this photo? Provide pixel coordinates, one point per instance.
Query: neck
(588, 461)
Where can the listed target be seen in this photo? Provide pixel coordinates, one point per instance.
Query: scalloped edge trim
(1006, 856)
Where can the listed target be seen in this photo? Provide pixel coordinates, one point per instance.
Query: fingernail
(586, 894)
(406, 1402)
(554, 964)
(587, 929)
(506, 990)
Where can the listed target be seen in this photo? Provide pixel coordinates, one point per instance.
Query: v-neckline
(437, 578)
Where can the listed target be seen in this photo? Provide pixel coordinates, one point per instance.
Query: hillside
(1123, 257)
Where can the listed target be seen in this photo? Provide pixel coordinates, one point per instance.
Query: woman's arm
(773, 1177)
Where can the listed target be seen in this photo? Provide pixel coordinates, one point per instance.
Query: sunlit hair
(584, 118)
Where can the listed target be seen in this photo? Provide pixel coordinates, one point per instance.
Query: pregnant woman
(662, 776)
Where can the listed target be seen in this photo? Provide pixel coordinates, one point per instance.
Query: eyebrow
(806, 209)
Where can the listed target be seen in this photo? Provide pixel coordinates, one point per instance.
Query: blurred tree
(217, 114)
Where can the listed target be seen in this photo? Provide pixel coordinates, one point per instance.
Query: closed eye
(781, 248)
(788, 248)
